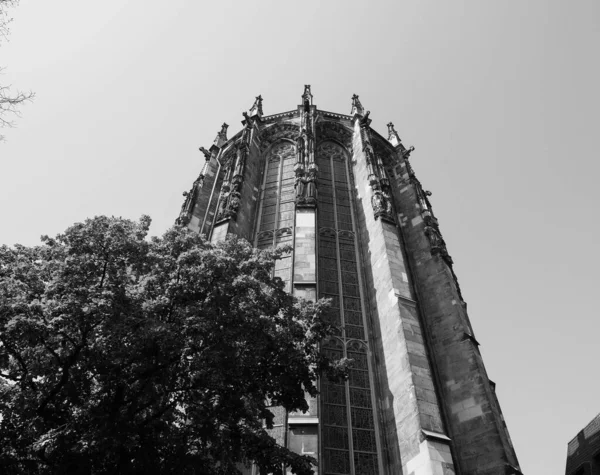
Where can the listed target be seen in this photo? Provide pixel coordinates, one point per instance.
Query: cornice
(334, 115)
(282, 115)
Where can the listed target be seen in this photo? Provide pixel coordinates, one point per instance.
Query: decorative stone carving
(206, 153)
(221, 135)
(256, 110)
(234, 203)
(306, 187)
(307, 95)
(272, 134)
(328, 130)
(305, 169)
(382, 205)
(378, 181)
(364, 120)
(357, 108)
(436, 241)
(407, 151)
(393, 136)
(432, 229)
(230, 199)
(329, 232)
(383, 150)
(185, 215)
(222, 208)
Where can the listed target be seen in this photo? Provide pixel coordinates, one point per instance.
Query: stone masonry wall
(408, 399)
(475, 422)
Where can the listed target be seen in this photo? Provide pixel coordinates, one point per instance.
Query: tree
(120, 354)
(9, 101)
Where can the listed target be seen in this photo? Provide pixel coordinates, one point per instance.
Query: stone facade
(583, 452)
(418, 400)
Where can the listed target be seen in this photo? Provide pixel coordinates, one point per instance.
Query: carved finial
(222, 135)
(256, 109)
(307, 96)
(205, 152)
(357, 107)
(393, 136)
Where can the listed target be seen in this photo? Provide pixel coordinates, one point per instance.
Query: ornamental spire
(307, 96)
(222, 135)
(393, 136)
(357, 108)
(256, 110)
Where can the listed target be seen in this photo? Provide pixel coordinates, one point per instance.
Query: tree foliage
(120, 354)
(9, 100)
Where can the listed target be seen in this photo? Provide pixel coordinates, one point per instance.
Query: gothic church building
(418, 400)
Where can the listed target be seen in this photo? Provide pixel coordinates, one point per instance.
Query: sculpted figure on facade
(379, 203)
(222, 208)
(306, 187)
(382, 204)
(381, 197)
(436, 241)
(185, 214)
(231, 197)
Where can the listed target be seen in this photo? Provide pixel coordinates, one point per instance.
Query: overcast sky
(500, 98)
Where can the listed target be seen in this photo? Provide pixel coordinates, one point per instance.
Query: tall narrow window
(277, 208)
(349, 438)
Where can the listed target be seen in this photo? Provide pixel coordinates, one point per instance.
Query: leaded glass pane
(360, 360)
(348, 266)
(351, 290)
(329, 274)
(364, 440)
(355, 332)
(337, 461)
(347, 251)
(352, 304)
(353, 318)
(335, 437)
(329, 287)
(362, 418)
(329, 264)
(360, 397)
(335, 394)
(358, 378)
(365, 464)
(349, 278)
(335, 415)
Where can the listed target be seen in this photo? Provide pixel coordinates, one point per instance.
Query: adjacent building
(418, 400)
(583, 452)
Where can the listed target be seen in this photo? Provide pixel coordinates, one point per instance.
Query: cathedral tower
(418, 400)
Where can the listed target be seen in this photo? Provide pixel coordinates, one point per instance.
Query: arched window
(276, 218)
(349, 435)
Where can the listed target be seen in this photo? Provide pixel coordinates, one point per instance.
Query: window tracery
(347, 407)
(277, 207)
